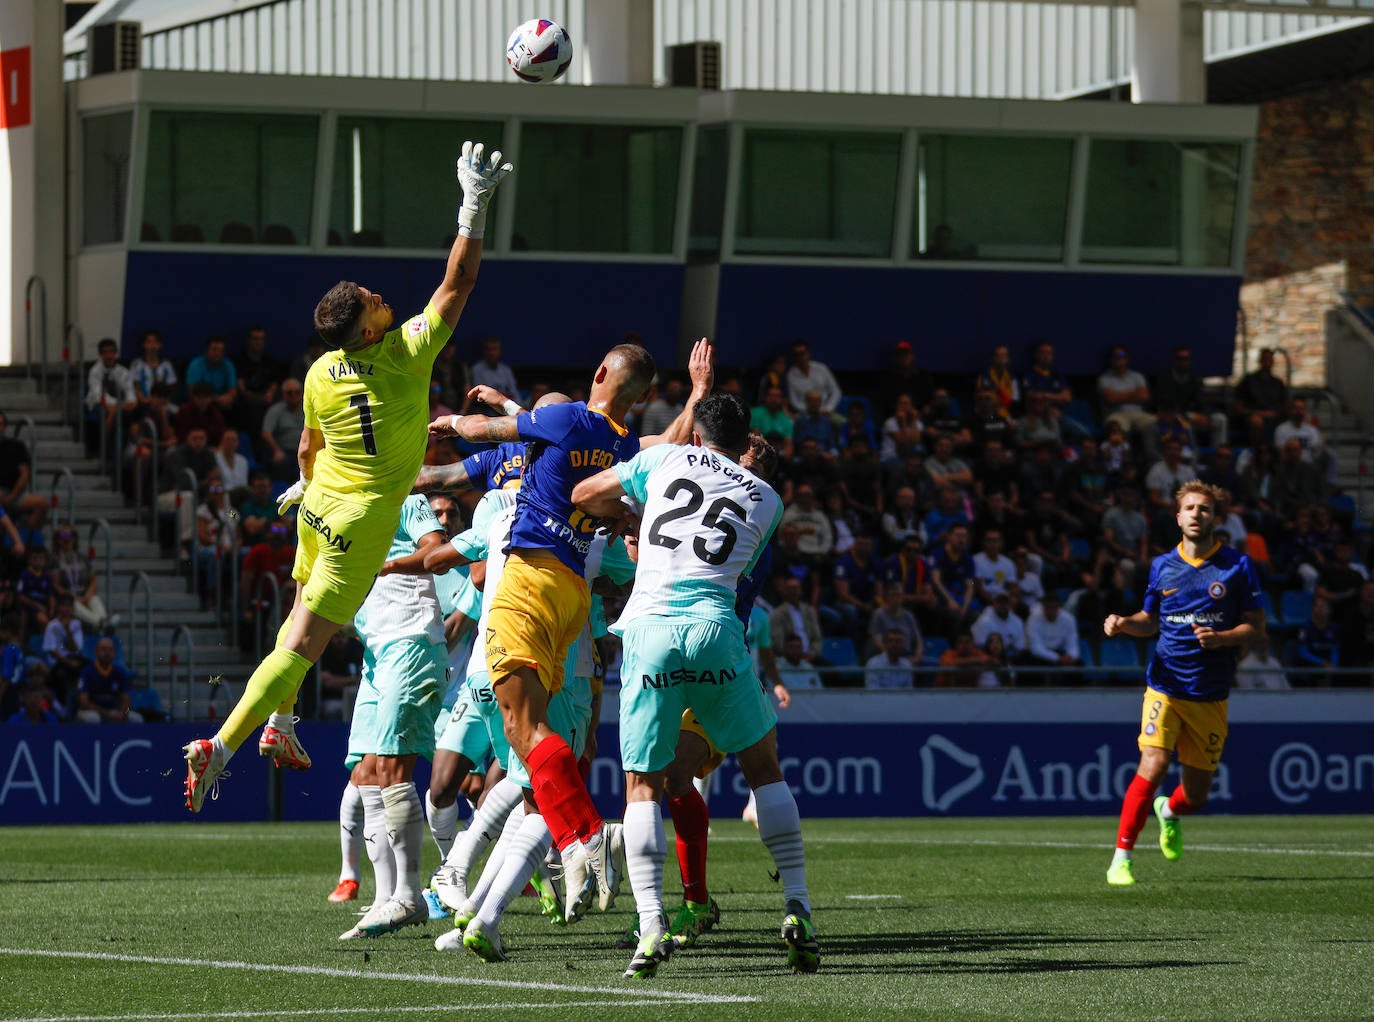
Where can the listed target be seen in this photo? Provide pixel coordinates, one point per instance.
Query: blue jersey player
(496, 468)
(1203, 599)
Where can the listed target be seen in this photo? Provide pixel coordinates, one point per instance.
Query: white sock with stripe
(646, 846)
(524, 853)
(405, 830)
(378, 847)
(484, 827)
(780, 831)
(443, 823)
(350, 832)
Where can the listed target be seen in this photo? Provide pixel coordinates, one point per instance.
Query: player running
(543, 599)
(1204, 600)
(364, 439)
(705, 522)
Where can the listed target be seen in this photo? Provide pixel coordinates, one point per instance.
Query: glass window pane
(597, 188)
(708, 192)
(105, 143)
(1162, 203)
(804, 193)
(235, 179)
(394, 183)
(991, 198)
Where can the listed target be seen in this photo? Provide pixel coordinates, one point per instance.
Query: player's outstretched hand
(493, 397)
(479, 175)
(701, 366)
(292, 495)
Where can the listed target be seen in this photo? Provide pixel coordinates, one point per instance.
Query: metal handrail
(1359, 311)
(1362, 473)
(26, 422)
(141, 581)
(97, 526)
(154, 456)
(193, 582)
(63, 473)
(1317, 396)
(33, 286)
(173, 662)
(235, 560)
(257, 610)
(67, 366)
(117, 451)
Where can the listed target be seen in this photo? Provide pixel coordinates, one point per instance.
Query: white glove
(293, 495)
(478, 178)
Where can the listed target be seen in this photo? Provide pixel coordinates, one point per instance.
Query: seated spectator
(856, 426)
(34, 592)
(217, 373)
(1167, 475)
(109, 393)
(945, 469)
(1297, 426)
(902, 519)
(177, 498)
(991, 421)
(1044, 472)
(806, 375)
(35, 708)
(993, 570)
(961, 664)
(857, 578)
(908, 570)
(11, 665)
(843, 522)
(904, 378)
(943, 418)
(1259, 402)
(892, 615)
(1116, 449)
(997, 512)
(1340, 579)
(151, 368)
(216, 522)
(450, 372)
(815, 539)
(200, 412)
(948, 511)
(1232, 523)
(1169, 424)
(998, 619)
(808, 466)
(16, 478)
(951, 576)
(996, 472)
(490, 371)
(997, 379)
(999, 676)
(281, 432)
(1124, 531)
(814, 423)
(1181, 389)
(774, 375)
(102, 689)
(1087, 482)
(259, 380)
(1317, 643)
(1052, 638)
(891, 667)
(233, 466)
(771, 418)
(1124, 394)
(162, 413)
(1043, 379)
(1294, 483)
(314, 348)
(796, 618)
(62, 642)
(1039, 425)
(74, 575)
(1047, 536)
(1101, 592)
(861, 480)
(794, 668)
(902, 431)
(275, 556)
(258, 510)
(1220, 471)
(1259, 668)
(910, 473)
(1029, 589)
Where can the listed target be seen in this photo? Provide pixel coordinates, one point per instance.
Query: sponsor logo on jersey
(1150, 729)
(1169, 592)
(331, 538)
(417, 325)
(687, 676)
(1202, 617)
(1216, 590)
(578, 533)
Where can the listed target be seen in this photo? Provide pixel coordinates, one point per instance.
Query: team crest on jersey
(416, 325)
(1150, 729)
(1216, 590)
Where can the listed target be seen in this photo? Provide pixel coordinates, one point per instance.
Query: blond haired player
(366, 413)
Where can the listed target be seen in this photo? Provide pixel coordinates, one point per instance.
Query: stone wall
(1311, 230)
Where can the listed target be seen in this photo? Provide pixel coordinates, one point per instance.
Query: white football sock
(350, 832)
(524, 854)
(405, 830)
(490, 871)
(703, 787)
(646, 846)
(378, 847)
(443, 823)
(1121, 853)
(780, 831)
(283, 722)
(1167, 811)
(484, 827)
(218, 748)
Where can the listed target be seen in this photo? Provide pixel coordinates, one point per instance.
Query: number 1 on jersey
(359, 401)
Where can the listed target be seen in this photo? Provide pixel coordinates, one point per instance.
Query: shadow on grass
(1009, 967)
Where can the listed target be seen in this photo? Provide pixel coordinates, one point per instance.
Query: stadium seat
(856, 399)
(368, 237)
(1086, 653)
(187, 233)
(839, 650)
(1080, 549)
(1118, 653)
(235, 232)
(1295, 607)
(1080, 414)
(934, 647)
(149, 232)
(247, 450)
(278, 234)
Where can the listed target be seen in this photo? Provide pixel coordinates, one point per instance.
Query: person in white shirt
(151, 368)
(793, 668)
(815, 537)
(1259, 668)
(109, 390)
(233, 466)
(1167, 474)
(1300, 428)
(892, 667)
(1052, 637)
(1029, 589)
(1124, 394)
(993, 569)
(491, 372)
(998, 619)
(807, 374)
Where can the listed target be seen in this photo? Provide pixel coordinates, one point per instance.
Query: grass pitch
(1263, 918)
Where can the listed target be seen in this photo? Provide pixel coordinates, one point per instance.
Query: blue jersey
(751, 585)
(568, 443)
(1216, 591)
(496, 468)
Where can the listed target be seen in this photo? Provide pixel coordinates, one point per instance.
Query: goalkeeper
(366, 413)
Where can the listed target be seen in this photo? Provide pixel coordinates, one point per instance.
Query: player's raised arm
(478, 177)
(443, 557)
(414, 563)
(701, 369)
(477, 428)
(442, 479)
(599, 495)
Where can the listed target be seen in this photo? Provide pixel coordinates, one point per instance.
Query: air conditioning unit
(113, 46)
(693, 65)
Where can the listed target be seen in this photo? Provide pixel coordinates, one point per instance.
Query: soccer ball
(539, 51)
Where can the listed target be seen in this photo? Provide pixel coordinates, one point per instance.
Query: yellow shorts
(1197, 730)
(539, 608)
(343, 544)
(714, 757)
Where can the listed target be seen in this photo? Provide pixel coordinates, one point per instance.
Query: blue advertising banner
(76, 774)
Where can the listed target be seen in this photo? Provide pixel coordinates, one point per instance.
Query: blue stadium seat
(246, 449)
(1080, 414)
(1080, 549)
(839, 650)
(855, 399)
(1295, 607)
(1118, 653)
(934, 647)
(1271, 619)
(1086, 653)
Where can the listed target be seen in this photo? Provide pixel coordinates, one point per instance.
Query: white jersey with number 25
(705, 522)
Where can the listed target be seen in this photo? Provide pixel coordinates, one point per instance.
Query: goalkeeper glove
(293, 495)
(478, 178)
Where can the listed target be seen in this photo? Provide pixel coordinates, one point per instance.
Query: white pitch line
(653, 996)
(873, 897)
(989, 843)
(390, 1009)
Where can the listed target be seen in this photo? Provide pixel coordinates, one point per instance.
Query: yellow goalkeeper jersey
(373, 408)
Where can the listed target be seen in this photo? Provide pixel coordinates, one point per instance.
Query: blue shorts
(464, 730)
(570, 711)
(399, 690)
(703, 666)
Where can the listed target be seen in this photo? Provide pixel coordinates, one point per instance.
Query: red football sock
(560, 794)
(1135, 809)
(691, 821)
(1179, 804)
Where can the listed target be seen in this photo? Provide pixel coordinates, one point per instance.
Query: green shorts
(398, 700)
(699, 665)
